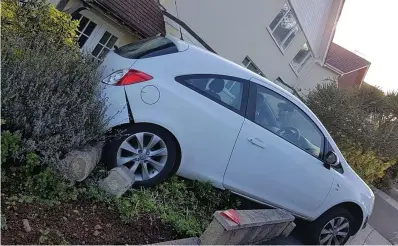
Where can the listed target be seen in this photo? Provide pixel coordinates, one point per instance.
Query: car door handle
(257, 142)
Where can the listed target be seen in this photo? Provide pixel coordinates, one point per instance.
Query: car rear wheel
(146, 150)
(332, 228)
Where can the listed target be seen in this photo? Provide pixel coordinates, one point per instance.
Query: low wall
(256, 226)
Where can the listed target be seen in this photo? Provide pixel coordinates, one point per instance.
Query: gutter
(334, 69)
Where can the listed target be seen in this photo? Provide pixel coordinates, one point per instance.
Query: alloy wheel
(335, 231)
(144, 153)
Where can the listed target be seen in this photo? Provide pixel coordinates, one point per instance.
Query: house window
(85, 29)
(249, 64)
(284, 28)
(104, 45)
(301, 59)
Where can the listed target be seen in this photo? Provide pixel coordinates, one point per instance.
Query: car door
(210, 119)
(273, 164)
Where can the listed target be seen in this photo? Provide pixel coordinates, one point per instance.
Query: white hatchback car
(185, 110)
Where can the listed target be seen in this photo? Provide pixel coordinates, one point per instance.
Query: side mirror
(331, 159)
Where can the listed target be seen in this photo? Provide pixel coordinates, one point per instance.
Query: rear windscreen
(145, 48)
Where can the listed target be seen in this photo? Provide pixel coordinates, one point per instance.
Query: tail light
(126, 77)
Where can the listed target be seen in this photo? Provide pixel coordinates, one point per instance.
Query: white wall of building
(236, 29)
(317, 74)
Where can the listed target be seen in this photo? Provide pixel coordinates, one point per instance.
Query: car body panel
(116, 107)
(207, 132)
(271, 175)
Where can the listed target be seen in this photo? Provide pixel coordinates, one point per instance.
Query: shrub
(10, 145)
(364, 123)
(36, 17)
(366, 163)
(50, 93)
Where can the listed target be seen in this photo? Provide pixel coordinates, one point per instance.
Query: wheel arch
(179, 153)
(355, 210)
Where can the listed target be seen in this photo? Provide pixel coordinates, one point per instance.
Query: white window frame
(304, 62)
(81, 33)
(290, 10)
(98, 32)
(103, 46)
(253, 64)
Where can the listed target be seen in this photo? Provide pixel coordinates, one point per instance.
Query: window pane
(246, 61)
(279, 16)
(82, 24)
(298, 61)
(215, 89)
(283, 29)
(97, 50)
(252, 68)
(76, 16)
(305, 62)
(90, 28)
(282, 117)
(148, 48)
(200, 84)
(303, 52)
(105, 38)
(82, 40)
(229, 84)
(111, 42)
(291, 37)
(103, 53)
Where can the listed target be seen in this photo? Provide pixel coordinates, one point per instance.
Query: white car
(185, 110)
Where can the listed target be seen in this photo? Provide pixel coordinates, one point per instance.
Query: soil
(77, 223)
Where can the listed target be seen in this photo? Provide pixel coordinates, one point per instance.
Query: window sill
(294, 71)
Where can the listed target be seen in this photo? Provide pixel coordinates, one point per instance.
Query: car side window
(225, 90)
(282, 117)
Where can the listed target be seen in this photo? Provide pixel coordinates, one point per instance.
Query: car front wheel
(146, 150)
(332, 228)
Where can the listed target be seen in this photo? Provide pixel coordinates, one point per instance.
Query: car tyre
(331, 226)
(115, 149)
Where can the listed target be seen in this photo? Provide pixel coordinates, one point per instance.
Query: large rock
(119, 180)
(78, 164)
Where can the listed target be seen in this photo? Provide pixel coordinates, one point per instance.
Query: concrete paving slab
(375, 238)
(361, 236)
(385, 216)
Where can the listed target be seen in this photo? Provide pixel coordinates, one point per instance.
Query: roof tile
(143, 15)
(343, 59)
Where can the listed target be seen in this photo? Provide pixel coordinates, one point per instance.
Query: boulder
(119, 180)
(78, 164)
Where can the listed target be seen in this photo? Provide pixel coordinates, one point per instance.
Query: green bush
(43, 182)
(366, 163)
(38, 17)
(10, 145)
(50, 91)
(364, 123)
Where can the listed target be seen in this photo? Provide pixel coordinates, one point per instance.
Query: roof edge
(333, 68)
(328, 36)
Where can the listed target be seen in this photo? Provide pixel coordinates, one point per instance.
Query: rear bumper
(116, 105)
